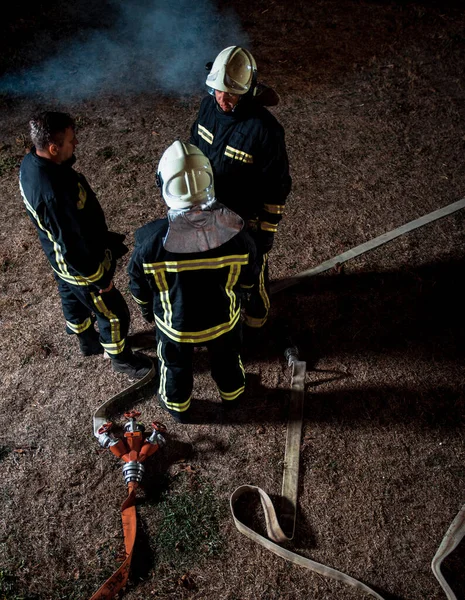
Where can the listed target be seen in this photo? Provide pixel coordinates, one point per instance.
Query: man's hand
(107, 289)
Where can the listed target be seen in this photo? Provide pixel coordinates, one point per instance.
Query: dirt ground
(372, 101)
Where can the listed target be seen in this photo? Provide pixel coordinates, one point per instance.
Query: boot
(179, 417)
(89, 342)
(133, 364)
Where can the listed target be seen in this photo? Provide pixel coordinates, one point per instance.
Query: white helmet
(185, 176)
(234, 71)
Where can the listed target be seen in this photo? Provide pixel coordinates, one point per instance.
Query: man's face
(226, 100)
(65, 151)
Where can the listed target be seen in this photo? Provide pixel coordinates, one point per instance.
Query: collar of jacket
(243, 110)
(49, 163)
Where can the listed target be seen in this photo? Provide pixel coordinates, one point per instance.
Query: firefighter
(75, 238)
(246, 148)
(186, 274)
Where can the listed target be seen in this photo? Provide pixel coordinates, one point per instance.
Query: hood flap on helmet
(201, 229)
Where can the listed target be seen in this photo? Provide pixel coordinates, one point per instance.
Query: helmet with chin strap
(234, 71)
(185, 176)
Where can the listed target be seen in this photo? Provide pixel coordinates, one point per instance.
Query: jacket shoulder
(267, 120)
(148, 232)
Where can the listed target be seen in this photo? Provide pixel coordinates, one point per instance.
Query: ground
(372, 101)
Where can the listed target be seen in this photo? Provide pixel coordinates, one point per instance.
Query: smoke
(157, 45)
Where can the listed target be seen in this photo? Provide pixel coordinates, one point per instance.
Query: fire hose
(137, 446)
(289, 496)
(133, 450)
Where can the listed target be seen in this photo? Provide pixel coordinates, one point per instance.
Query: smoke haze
(156, 45)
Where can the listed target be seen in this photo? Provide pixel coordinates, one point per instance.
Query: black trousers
(110, 309)
(175, 369)
(257, 304)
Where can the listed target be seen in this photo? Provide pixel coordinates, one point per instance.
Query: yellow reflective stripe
(253, 322)
(238, 155)
(205, 134)
(139, 301)
(162, 385)
(162, 374)
(114, 321)
(232, 395)
(275, 209)
(242, 367)
(162, 285)
(63, 267)
(79, 327)
(261, 287)
(78, 279)
(197, 336)
(233, 276)
(265, 226)
(179, 407)
(74, 280)
(246, 287)
(177, 266)
(115, 348)
(56, 247)
(82, 197)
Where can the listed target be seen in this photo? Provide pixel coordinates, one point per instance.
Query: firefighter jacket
(70, 222)
(247, 151)
(195, 297)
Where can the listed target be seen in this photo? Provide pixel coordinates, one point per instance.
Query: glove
(115, 244)
(147, 314)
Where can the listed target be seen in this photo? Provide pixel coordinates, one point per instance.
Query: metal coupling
(291, 354)
(132, 425)
(133, 471)
(106, 440)
(156, 438)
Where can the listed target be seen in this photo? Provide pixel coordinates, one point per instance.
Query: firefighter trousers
(79, 306)
(175, 369)
(257, 304)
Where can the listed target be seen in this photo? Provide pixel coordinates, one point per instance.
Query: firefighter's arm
(139, 287)
(71, 251)
(275, 184)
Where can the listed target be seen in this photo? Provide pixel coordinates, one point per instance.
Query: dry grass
(372, 96)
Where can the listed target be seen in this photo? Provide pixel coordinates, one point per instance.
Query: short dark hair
(49, 128)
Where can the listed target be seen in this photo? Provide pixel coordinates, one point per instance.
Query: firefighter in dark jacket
(246, 148)
(186, 273)
(75, 238)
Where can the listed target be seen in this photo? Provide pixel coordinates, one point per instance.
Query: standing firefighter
(245, 145)
(75, 238)
(185, 274)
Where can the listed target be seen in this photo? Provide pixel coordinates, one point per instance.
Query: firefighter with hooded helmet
(246, 147)
(185, 273)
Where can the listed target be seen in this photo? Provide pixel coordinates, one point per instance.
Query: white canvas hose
(290, 490)
(278, 286)
(450, 541)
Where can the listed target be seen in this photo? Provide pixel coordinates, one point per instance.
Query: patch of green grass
(4, 451)
(106, 153)
(189, 528)
(8, 587)
(7, 163)
(5, 264)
